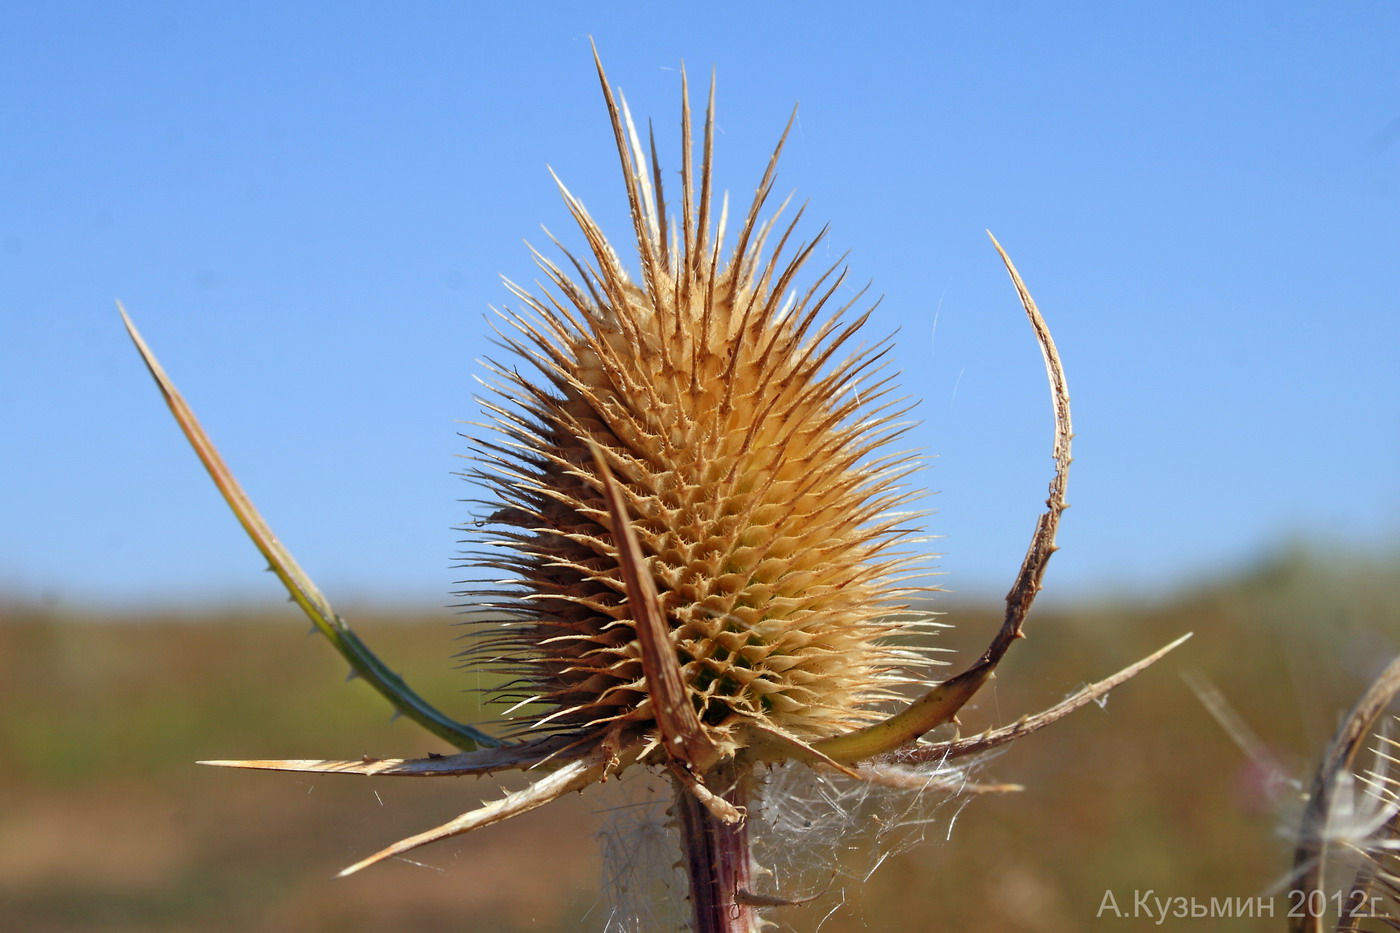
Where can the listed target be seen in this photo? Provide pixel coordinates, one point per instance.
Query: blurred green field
(106, 823)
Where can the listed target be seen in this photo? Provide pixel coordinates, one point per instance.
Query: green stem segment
(717, 857)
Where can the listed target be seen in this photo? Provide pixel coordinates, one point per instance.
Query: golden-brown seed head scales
(750, 435)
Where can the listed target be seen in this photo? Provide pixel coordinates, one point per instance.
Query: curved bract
(363, 662)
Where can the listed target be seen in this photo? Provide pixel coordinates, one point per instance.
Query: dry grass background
(106, 823)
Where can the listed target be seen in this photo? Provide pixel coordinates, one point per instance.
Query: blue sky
(307, 209)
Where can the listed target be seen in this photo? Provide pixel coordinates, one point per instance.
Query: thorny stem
(717, 857)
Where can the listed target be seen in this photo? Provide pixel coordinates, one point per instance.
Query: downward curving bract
(700, 532)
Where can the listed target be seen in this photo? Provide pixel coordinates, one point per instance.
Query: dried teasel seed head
(750, 433)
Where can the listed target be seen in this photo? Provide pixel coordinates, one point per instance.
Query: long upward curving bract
(304, 592)
(942, 703)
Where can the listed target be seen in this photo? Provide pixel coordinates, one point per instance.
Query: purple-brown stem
(717, 857)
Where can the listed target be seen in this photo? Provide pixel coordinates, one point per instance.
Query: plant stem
(717, 857)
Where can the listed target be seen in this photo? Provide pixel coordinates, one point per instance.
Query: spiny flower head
(748, 432)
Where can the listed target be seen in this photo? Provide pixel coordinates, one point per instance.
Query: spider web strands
(951, 780)
(363, 662)
(816, 826)
(644, 883)
(1317, 839)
